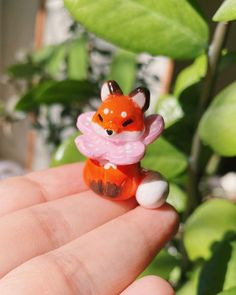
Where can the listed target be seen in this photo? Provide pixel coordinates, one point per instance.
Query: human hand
(58, 237)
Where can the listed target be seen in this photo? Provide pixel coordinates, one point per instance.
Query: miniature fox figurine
(114, 139)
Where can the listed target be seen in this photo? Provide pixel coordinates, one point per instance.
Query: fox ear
(141, 96)
(110, 87)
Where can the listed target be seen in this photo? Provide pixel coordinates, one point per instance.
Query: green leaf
(173, 28)
(163, 157)
(66, 92)
(217, 126)
(180, 134)
(42, 55)
(219, 272)
(231, 291)
(28, 102)
(177, 198)
(169, 108)
(23, 70)
(123, 70)
(191, 75)
(190, 287)
(78, 61)
(162, 265)
(188, 88)
(56, 60)
(207, 225)
(226, 12)
(67, 152)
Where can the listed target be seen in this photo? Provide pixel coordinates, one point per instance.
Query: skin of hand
(58, 237)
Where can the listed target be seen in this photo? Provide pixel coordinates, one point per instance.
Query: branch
(214, 54)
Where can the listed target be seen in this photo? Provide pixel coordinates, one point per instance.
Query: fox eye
(100, 117)
(127, 122)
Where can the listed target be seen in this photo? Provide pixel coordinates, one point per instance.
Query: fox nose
(109, 132)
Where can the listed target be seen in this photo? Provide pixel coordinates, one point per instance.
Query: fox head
(121, 117)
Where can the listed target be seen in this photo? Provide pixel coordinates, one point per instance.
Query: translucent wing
(84, 122)
(126, 154)
(154, 127)
(90, 146)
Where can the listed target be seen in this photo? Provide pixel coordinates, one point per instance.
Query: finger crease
(39, 187)
(53, 225)
(75, 273)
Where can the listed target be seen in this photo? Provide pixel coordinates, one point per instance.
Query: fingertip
(151, 285)
(173, 216)
(165, 215)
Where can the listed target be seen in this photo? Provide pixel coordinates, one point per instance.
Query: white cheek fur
(98, 129)
(124, 136)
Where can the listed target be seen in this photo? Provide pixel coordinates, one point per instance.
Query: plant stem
(214, 54)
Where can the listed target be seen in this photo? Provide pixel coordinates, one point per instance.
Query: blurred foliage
(231, 291)
(191, 285)
(177, 198)
(226, 12)
(165, 158)
(190, 75)
(218, 273)
(63, 80)
(67, 152)
(205, 225)
(175, 22)
(163, 265)
(123, 69)
(220, 134)
(169, 107)
(55, 75)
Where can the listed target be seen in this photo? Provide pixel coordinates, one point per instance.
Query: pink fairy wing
(126, 154)
(154, 127)
(84, 122)
(95, 147)
(90, 146)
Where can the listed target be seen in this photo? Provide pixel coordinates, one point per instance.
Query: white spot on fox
(109, 165)
(106, 111)
(123, 114)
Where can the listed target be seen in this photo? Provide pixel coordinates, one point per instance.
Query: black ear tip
(146, 93)
(114, 87)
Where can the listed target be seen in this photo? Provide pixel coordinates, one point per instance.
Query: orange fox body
(122, 182)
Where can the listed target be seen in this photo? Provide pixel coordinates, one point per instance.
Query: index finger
(41, 186)
(104, 261)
